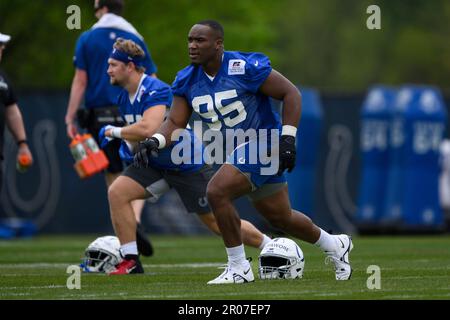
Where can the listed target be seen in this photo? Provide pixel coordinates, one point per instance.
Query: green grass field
(411, 268)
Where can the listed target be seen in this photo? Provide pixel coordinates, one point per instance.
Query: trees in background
(327, 44)
(41, 51)
(321, 43)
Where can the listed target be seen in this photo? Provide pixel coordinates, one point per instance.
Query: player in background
(11, 116)
(143, 102)
(232, 90)
(91, 82)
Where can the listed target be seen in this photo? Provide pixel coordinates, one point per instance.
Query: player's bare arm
(178, 118)
(14, 121)
(79, 84)
(279, 87)
(146, 127)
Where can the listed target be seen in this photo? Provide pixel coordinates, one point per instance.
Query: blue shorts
(256, 163)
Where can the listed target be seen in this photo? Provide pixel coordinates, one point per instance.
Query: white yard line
(33, 288)
(65, 265)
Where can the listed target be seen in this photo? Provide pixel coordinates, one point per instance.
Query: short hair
(114, 6)
(215, 25)
(131, 48)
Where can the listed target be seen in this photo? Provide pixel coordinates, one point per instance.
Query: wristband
(289, 131)
(161, 140)
(22, 141)
(116, 132)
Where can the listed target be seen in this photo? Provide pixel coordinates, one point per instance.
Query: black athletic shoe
(143, 242)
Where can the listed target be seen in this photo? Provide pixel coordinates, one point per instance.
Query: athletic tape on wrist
(161, 139)
(289, 131)
(116, 132)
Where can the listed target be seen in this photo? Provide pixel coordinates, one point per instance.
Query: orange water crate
(87, 168)
(100, 160)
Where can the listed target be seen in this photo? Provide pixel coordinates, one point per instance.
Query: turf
(411, 268)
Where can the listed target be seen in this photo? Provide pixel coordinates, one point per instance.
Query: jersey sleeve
(161, 96)
(79, 59)
(257, 69)
(181, 83)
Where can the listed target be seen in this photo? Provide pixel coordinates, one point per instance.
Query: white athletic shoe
(340, 257)
(235, 274)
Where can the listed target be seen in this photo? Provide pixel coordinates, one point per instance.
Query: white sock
(265, 241)
(129, 248)
(236, 255)
(326, 241)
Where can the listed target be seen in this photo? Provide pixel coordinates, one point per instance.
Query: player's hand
(287, 154)
(146, 149)
(103, 138)
(72, 130)
(24, 156)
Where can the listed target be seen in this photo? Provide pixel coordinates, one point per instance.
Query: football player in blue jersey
(91, 81)
(142, 104)
(231, 91)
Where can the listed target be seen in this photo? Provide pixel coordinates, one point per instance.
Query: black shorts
(191, 186)
(93, 120)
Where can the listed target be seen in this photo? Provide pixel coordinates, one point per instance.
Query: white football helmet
(102, 255)
(281, 258)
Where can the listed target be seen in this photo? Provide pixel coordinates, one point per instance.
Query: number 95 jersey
(231, 100)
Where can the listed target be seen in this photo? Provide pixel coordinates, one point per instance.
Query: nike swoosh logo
(131, 269)
(245, 272)
(342, 243)
(256, 63)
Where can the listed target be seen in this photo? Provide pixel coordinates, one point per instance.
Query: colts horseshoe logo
(336, 170)
(42, 204)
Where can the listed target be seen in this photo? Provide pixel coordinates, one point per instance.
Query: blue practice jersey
(92, 51)
(153, 92)
(232, 100)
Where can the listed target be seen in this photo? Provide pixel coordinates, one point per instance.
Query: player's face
(117, 72)
(203, 44)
